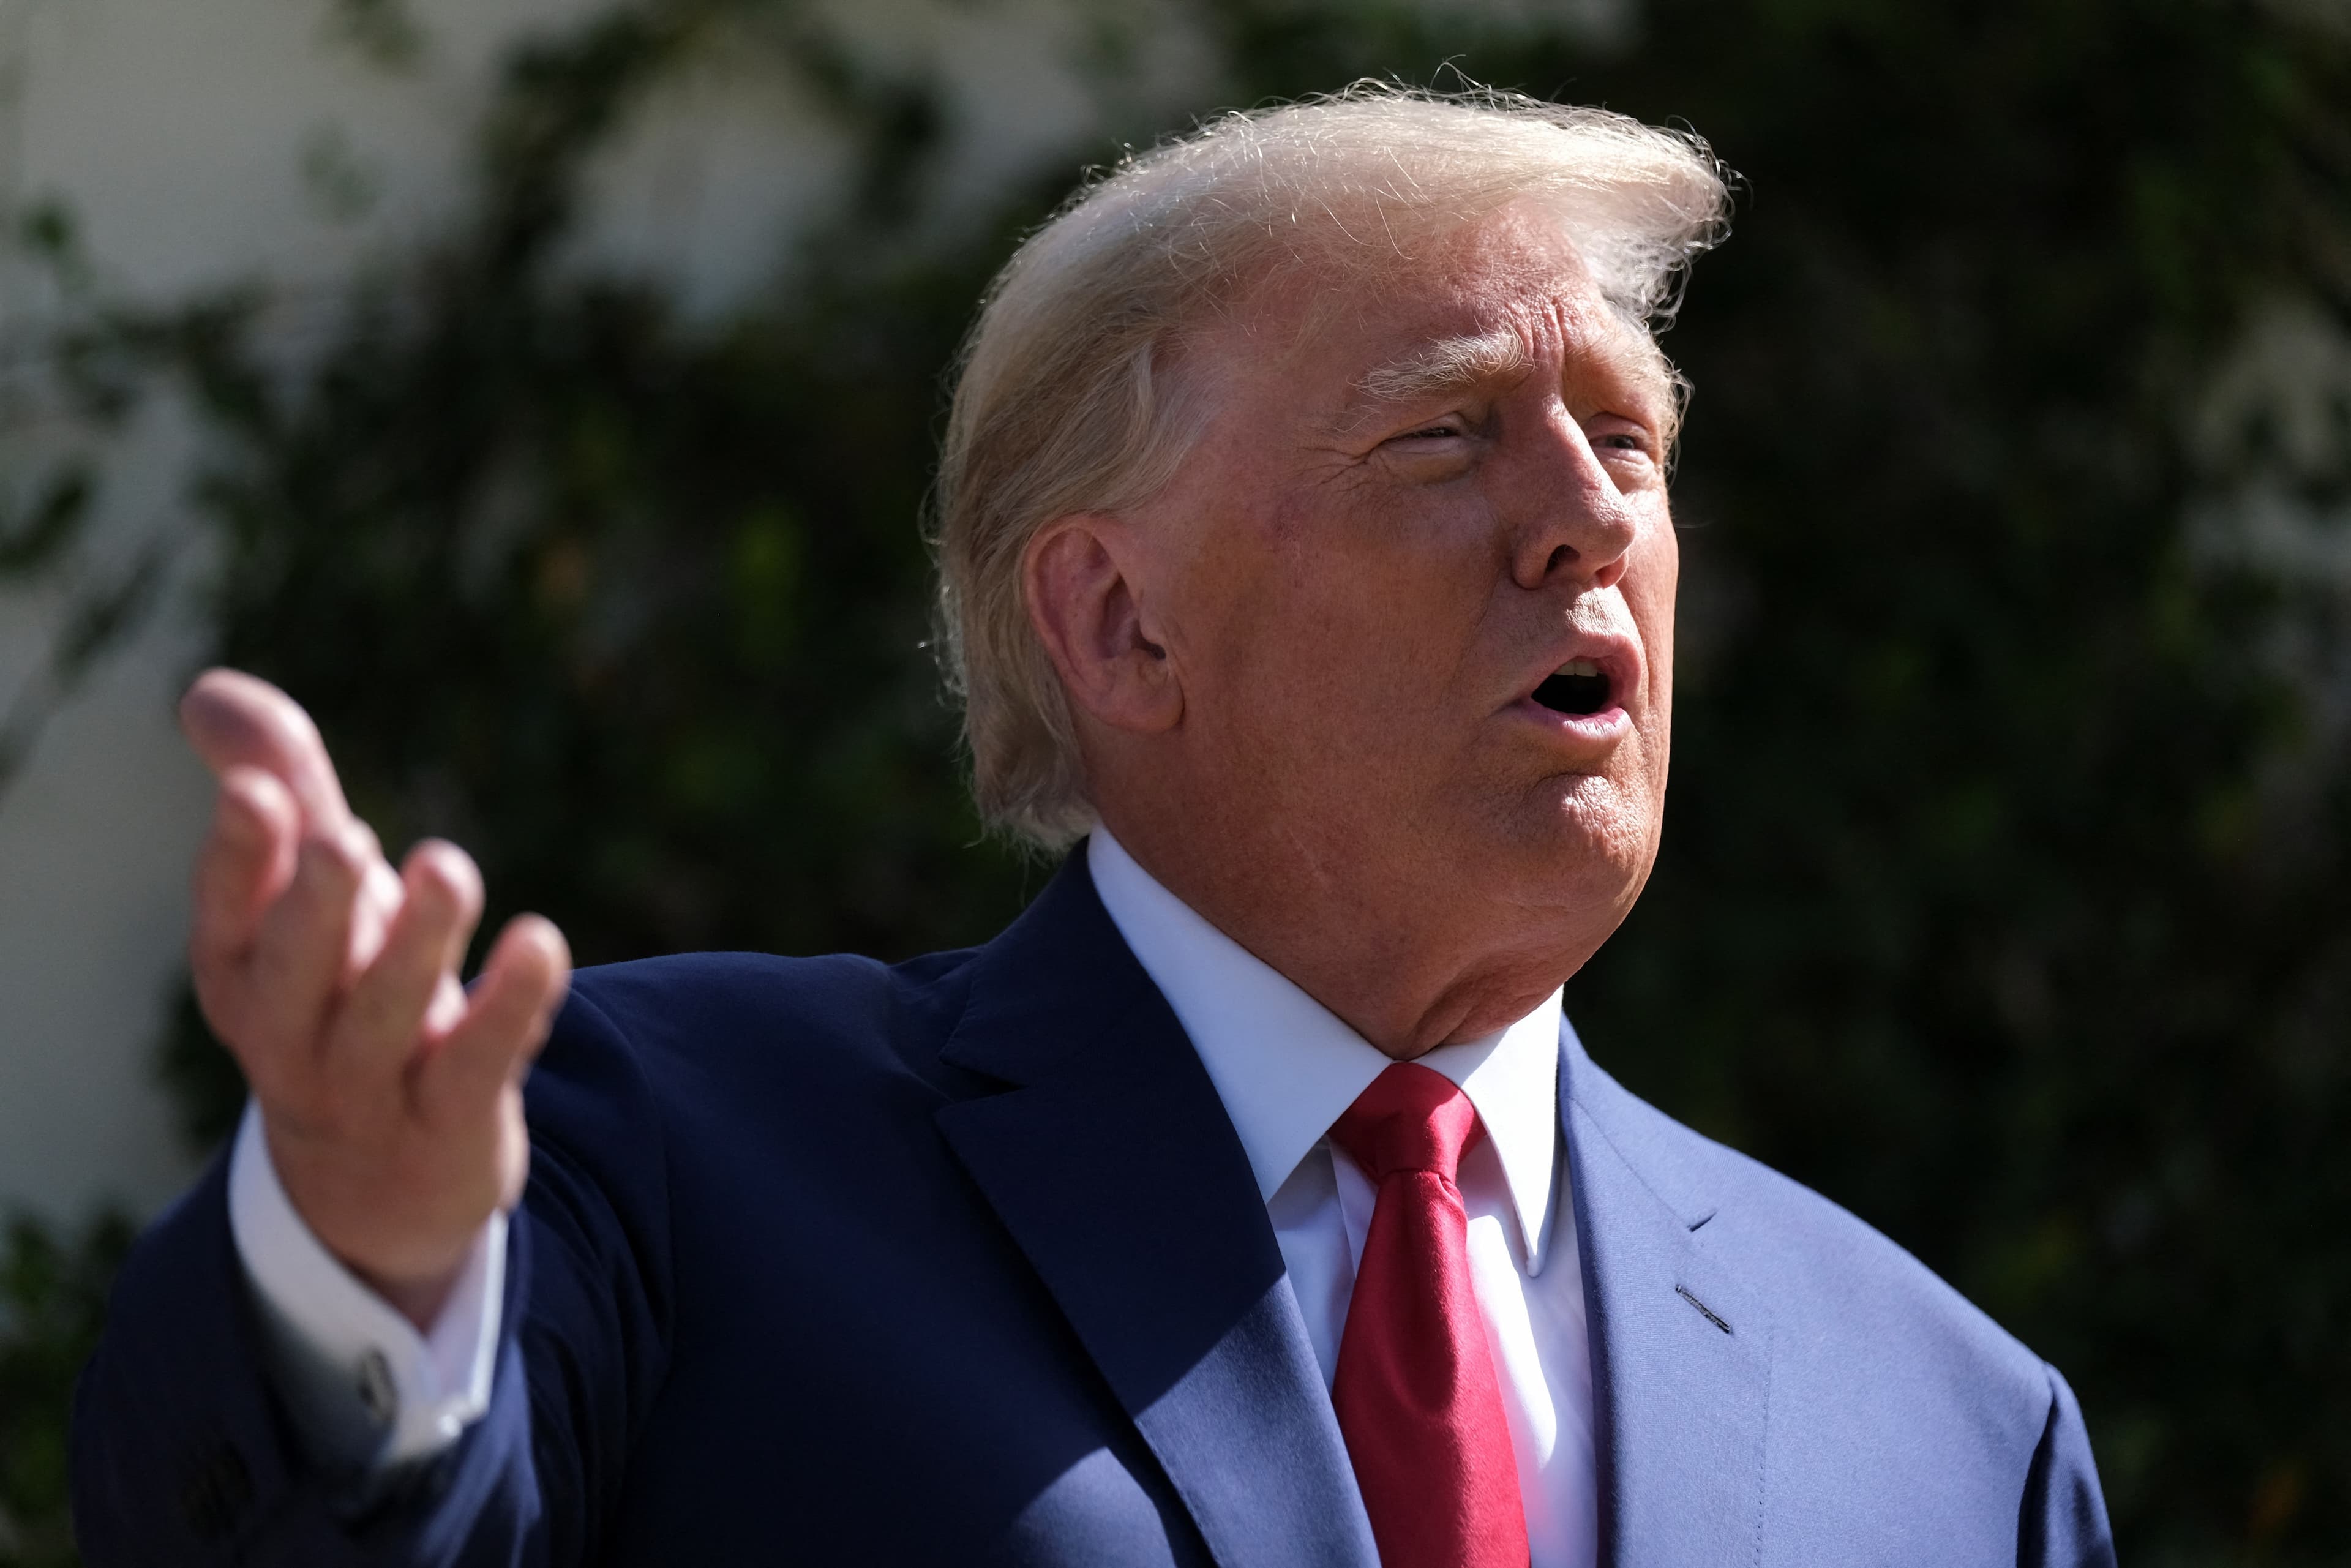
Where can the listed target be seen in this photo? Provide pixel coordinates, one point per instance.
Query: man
(1304, 547)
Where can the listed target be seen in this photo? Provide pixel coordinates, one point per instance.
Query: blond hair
(1065, 401)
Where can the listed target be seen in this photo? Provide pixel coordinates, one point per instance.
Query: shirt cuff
(368, 1391)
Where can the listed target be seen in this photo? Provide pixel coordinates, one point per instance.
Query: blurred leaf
(36, 537)
(384, 32)
(106, 615)
(52, 1304)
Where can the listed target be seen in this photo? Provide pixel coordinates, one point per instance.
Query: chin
(1587, 840)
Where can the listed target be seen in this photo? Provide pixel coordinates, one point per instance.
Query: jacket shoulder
(1865, 1303)
(707, 1008)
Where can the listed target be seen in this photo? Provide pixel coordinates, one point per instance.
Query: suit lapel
(1681, 1350)
(1111, 1160)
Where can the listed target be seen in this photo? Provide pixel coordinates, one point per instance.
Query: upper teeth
(1580, 667)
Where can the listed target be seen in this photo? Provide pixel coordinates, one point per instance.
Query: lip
(1587, 731)
(1619, 658)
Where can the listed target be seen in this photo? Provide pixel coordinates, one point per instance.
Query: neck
(1406, 967)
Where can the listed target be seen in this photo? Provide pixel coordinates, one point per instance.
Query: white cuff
(365, 1386)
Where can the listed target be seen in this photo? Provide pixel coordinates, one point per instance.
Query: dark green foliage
(2005, 894)
(52, 1296)
(634, 613)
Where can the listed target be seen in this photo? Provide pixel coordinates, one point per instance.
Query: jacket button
(216, 1489)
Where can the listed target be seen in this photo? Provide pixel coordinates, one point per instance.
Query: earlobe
(1087, 598)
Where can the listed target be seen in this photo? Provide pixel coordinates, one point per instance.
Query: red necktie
(1417, 1398)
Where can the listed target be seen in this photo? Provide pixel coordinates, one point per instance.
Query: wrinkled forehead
(1359, 322)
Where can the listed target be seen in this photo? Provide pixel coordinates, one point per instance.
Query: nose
(1568, 522)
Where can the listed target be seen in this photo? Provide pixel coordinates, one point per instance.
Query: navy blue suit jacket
(961, 1262)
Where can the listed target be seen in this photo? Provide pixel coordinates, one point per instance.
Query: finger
(381, 893)
(302, 958)
(506, 1021)
(376, 1029)
(246, 861)
(233, 719)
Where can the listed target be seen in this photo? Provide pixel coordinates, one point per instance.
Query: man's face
(1417, 581)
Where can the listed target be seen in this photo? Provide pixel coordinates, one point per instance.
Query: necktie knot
(1412, 1118)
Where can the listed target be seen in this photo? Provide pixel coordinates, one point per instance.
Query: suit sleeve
(185, 1450)
(2063, 1521)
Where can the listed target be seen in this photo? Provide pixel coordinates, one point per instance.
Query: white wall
(95, 839)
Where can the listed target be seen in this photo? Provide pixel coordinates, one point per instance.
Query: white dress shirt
(369, 1390)
(1286, 1068)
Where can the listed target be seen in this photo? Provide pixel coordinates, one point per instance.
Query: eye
(1613, 437)
(1441, 445)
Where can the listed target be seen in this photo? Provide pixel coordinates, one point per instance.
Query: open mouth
(1580, 687)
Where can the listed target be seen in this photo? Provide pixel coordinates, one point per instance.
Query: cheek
(1650, 592)
(1331, 685)
(1332, 658)
(1331, 631)
(1383, 620)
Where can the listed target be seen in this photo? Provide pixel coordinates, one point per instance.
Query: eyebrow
(1453, 364)
(1446, 365)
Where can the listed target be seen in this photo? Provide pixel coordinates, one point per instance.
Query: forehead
(1489, 302)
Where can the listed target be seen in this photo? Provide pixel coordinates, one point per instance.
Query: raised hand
(391, 1097)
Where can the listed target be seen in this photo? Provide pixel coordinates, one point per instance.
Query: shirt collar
(1286, 1067)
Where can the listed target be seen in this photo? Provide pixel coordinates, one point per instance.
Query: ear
(1086, 599)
